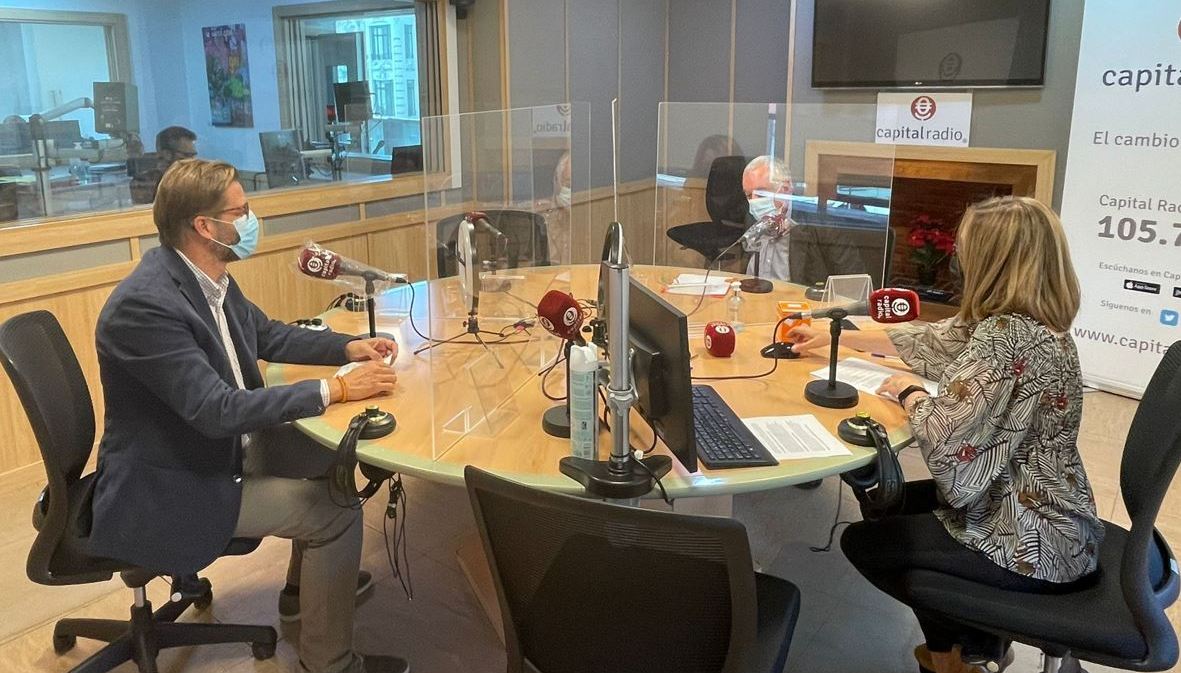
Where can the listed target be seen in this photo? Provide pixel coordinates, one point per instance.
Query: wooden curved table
(437, 386)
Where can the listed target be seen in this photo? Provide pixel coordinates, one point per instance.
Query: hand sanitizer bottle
(734, 306)
(584, 402)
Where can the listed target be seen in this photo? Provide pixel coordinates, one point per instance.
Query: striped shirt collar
(214, 290)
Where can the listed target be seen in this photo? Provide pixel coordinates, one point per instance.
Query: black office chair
(527, 241)
(47, 378)
(1119, 620)
(726, 203)
(591, 587)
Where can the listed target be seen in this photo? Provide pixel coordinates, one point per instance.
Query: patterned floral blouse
(1000, 441)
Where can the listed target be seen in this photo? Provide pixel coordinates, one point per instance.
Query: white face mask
(764, 204)
(762, 207)
(563, 197)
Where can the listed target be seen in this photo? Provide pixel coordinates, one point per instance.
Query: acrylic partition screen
(500, 231)
(790, 194)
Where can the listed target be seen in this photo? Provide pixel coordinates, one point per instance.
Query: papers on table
(866, 376)
(795, 437)
(345, 369)
(694, 284)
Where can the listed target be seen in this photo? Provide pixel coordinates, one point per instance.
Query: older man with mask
(782, 249)
(187, 414)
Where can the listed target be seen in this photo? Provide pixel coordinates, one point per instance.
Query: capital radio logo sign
(923, 108)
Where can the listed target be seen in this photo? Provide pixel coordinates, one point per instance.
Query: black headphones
(342, 481)
(879, 486)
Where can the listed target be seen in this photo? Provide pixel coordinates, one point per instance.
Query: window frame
(386, 50)
(113, 24)
(281, 15)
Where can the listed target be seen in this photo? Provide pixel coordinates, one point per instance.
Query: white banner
(1122, 200)
(924, 119)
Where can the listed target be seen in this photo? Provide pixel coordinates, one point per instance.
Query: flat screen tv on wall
(898, 44)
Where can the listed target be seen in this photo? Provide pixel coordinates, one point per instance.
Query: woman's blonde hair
(190, 187)
(1015, 259)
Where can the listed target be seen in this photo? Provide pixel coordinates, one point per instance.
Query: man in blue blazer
(178, 347)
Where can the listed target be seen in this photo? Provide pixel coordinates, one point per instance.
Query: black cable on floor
(836, 522)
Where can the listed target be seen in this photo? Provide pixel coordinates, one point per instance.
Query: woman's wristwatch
(908, 391)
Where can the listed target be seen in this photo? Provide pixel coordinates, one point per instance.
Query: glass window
(53, 144)
(290, 94)
(376, 52)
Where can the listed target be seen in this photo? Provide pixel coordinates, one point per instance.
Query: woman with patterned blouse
(1009, 503)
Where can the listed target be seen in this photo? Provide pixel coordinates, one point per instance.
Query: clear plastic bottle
(734, 306)
(584, 402)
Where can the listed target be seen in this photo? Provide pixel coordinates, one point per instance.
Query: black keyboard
(723, 440)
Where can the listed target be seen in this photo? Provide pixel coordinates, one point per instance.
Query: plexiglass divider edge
(501, 231)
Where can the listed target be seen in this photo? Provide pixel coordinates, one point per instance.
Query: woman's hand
(894, 385)
(806, 338)
(379, 348)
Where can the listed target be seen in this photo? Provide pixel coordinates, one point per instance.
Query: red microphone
(322, 263)
(887, 305)
(893, 304)
(317, 262)
(561, 316)
(719, 339)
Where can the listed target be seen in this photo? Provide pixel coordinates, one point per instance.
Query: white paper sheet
(795, 437)
(866, 376)
(695, 283)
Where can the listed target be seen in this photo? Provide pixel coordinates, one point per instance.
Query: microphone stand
(556, 420)
(618, 478)
(832, 394)
(371, 279)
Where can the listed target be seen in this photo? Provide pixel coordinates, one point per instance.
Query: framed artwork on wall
(227, 70)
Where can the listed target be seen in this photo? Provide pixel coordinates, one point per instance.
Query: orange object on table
(787, 308)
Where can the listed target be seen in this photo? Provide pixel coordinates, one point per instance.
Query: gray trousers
(282, 495)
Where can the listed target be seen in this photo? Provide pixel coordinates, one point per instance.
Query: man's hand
(371, 349)
(364, 381)
(894, 385)
(806, 338)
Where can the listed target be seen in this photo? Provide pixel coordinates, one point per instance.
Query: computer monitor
(63, 132)
(15, 137)
(660, 344)
(281, 158)
(406, 160)
(352, 101)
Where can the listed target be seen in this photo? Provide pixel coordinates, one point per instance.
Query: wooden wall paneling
(78, 314)
(273, 282)
(401, 250)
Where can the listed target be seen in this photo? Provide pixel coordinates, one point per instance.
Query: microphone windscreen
(317, 262)
(893, 305)
(719, 339)
(560, 315)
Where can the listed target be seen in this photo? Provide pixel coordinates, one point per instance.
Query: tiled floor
(845, 625)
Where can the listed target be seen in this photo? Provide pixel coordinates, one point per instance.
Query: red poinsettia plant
(931, 244)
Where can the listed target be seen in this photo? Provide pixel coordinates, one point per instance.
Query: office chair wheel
(203, 601)
(63, 644)
(262, 651)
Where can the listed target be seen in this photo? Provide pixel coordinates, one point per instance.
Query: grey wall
(641, 85)
(1033, 118)
(762, 30)
(699, 37)
(594, 74)
(592, 51)
(705, 35)
(537, 52)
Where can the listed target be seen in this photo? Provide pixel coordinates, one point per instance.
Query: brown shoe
(923, 656)
(952, 662)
